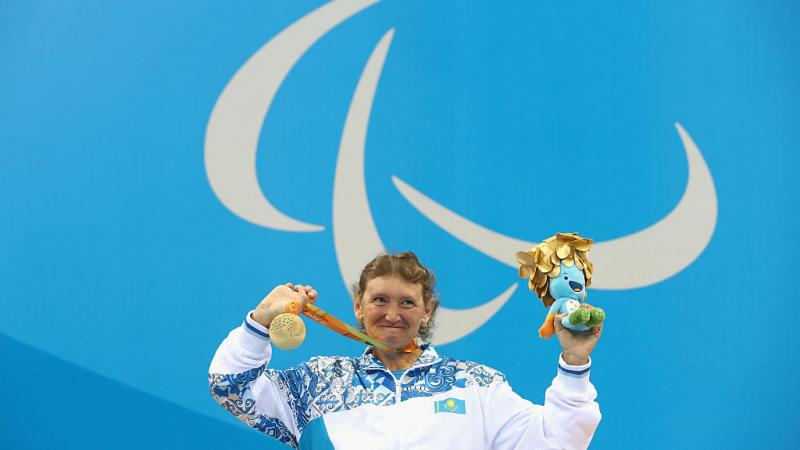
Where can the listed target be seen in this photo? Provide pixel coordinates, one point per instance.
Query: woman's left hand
(576, 346)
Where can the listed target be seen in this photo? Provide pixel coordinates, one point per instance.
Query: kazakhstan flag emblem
(450, 405)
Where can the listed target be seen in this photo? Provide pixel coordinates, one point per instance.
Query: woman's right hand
(275, 302)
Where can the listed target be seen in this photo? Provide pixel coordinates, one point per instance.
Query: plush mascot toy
(558, 271)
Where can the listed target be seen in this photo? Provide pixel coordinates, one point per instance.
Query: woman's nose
(392, 314)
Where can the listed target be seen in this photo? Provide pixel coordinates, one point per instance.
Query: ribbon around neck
(327, 320)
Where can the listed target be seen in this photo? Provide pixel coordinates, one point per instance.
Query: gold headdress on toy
(544, 261)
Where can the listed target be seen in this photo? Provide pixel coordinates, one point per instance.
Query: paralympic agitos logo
(234, 130)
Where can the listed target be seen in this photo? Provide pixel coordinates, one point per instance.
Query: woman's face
(392, 310)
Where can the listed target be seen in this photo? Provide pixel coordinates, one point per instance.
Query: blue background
(120, 270)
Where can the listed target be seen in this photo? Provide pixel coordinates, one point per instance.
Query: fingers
(301, 290)
(312, 294)
(598, 330)
(557, 321)
(306, 292)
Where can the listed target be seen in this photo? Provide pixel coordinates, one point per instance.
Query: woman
(412, 399)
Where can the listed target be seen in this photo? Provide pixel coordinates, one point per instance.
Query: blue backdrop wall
(165, 164)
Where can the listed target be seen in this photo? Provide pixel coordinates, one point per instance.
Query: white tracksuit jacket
(357, 403)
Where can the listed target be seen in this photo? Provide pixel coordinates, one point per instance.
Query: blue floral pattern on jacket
(326, 384)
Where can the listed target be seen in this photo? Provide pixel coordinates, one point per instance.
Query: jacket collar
(429, 356)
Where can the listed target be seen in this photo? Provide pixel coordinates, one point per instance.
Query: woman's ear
(357, 308)
(428, 311)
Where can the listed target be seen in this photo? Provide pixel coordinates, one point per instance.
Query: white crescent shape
(234, 127)
(355, 236)
(637, 260)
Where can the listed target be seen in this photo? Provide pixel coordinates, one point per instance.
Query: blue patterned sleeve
(234, 393)
(275, 402)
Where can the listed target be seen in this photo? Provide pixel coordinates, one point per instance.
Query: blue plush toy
(559, 271)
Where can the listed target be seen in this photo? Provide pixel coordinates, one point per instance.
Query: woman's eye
(380, 300)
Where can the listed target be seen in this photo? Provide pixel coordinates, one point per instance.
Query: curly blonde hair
(542, 262)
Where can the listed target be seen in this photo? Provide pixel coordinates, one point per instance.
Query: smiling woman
(393, 311)
(419, 284)
(354, 403)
